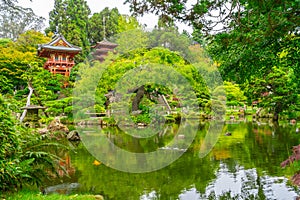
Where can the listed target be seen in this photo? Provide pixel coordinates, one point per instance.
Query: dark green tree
(225, 14)
(170, 38)
(70, 18)
(103, 25)
(57, 17)
(277, 91)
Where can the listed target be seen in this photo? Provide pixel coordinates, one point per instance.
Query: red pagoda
(102, 48)
(60, 54)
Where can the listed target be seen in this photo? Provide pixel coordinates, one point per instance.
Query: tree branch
(28, 100)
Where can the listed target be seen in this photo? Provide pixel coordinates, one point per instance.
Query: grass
(35, 195)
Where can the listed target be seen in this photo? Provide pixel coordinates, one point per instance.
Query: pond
(242, 165)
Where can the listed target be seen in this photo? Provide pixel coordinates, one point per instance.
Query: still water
(243, 165)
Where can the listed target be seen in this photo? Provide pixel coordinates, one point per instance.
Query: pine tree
(70, 18)
(103, 24)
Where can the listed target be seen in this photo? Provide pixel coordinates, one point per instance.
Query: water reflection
(245, 165)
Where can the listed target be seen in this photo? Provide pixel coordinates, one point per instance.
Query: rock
(180, 136)
(65, 188)
(57, 126)
(73, 136)
(228, 134)
(137, 112)
(296, 179)
(141, 124)
(99, 197)
(43, 131)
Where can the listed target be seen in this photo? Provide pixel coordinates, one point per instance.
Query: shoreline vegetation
(232, 114)
(35, 194)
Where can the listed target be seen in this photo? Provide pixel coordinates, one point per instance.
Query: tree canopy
(103, 25)
(70, 18)
(15, 20)
(246, 39)
(17, 56)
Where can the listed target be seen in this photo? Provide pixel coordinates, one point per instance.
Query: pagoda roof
(105, 42)
(60, 44)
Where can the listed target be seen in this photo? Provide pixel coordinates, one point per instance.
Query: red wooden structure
(102, 48)
(60, 54)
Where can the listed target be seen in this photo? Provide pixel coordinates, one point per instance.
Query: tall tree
(57, 17)
(248, 30)
(126, 23)
(15, 20)
(132, 40)
(70, 18)
(103, 24)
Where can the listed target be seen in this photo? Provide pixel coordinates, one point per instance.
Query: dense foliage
(103, 25)
(70, 18)
(246, 39)
(22, 160)
(225, 14)
(16, 57)
(107, 74)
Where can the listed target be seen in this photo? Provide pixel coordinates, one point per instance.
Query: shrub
(22, 160)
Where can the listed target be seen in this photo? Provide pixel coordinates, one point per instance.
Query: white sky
(43, 7)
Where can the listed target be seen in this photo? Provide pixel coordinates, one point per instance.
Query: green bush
(141, 118)
(22, 160)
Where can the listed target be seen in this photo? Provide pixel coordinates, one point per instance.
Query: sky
(43, 7)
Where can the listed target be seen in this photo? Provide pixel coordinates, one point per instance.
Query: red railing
(59, 62)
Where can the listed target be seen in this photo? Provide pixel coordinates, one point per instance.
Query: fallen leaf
(96, 162)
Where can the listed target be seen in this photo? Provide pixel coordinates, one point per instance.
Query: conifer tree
(70, 18)
(103, 24)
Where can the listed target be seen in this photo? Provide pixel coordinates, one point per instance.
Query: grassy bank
(36, 195)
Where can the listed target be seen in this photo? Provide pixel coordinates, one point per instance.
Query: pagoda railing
(59, 62)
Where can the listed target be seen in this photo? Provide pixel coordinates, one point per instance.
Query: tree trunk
(275, 117)
(277, 110)
(138, 98)
(28, 102)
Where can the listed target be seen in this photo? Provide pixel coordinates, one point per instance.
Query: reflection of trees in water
(64, 166)
(251, 149)
(65, 169)
(166, 136)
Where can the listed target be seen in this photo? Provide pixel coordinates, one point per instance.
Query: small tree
(277, 90)
(234, 95)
